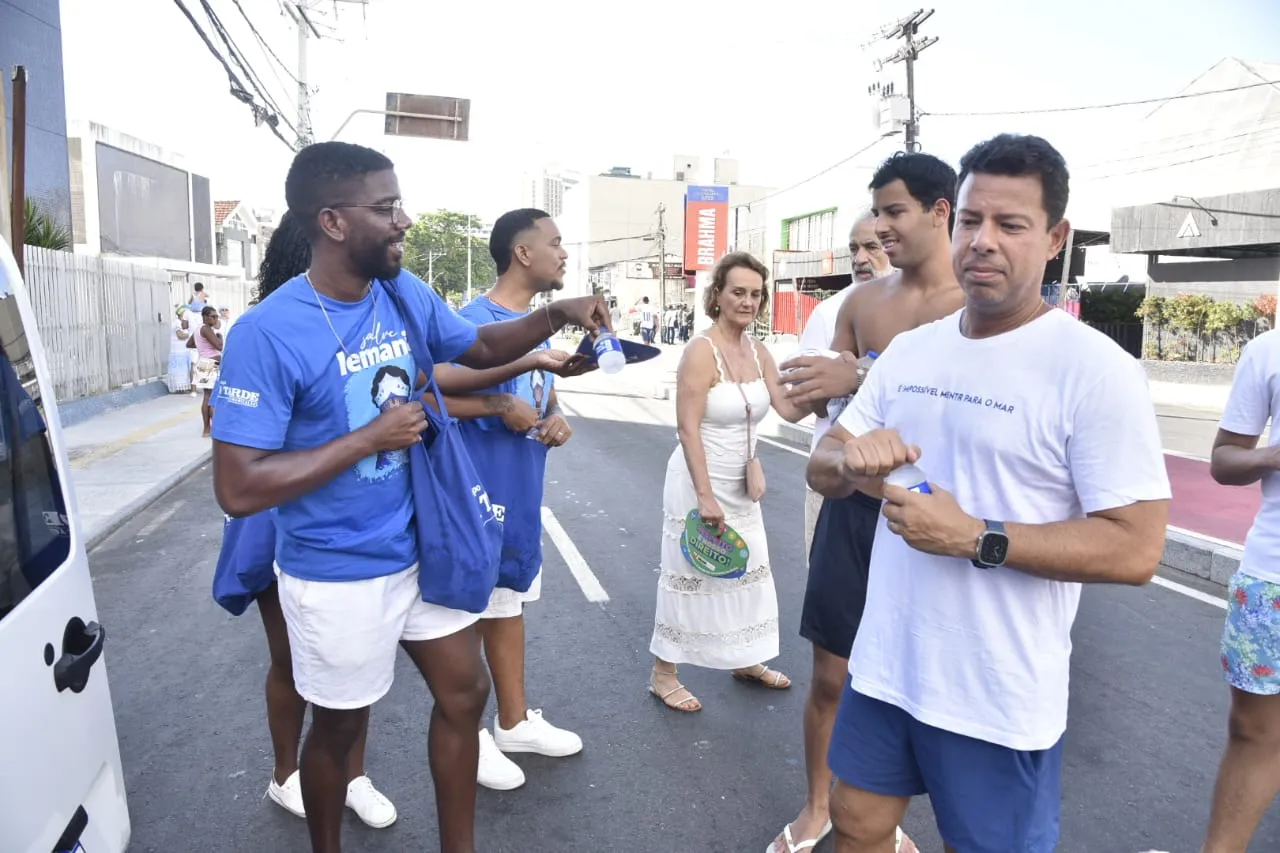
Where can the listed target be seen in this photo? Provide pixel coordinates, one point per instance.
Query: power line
(237, 56)
(1259, 133)
(1085, 107)
(863, 150)
(263, 42)
(609, 240)
(238, 91)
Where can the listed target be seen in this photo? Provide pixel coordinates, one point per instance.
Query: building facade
(31, 36)
(134, 200)
(545, 190)
(613, 218)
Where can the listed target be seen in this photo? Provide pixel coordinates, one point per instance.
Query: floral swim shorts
(1251, 636)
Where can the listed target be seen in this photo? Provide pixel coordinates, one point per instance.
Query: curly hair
(720, 277)
(288, 255)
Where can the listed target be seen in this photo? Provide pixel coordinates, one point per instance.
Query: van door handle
(81, 649)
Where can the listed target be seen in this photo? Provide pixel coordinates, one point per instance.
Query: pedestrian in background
(1249, 775)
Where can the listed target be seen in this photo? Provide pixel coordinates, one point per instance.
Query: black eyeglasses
(389, 208)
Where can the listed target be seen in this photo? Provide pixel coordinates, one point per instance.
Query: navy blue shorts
(987, 798)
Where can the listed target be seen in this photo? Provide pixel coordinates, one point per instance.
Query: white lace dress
(700, 620)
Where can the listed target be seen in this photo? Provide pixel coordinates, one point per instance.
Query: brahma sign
(706, 226)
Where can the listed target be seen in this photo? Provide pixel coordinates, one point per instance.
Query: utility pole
(298, 10)
(468, 258)
(662, 253)
(431, 266)
(302, 12)
(907, 29)
(18, 211)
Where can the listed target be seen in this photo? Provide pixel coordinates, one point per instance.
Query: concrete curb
(160, 489)
(1200, 556)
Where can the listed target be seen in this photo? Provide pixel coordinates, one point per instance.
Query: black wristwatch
(993, 546)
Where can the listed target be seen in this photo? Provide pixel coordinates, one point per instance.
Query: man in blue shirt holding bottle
(509, 427)
(305, 424)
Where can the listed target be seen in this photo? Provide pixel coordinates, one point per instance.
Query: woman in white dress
(725, 385)
(178, 377)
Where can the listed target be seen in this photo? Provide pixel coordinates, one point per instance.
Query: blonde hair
(720, 277)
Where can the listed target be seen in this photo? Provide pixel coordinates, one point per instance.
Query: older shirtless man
(912, 198)
(867, 262)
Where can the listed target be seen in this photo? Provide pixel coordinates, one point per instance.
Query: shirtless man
(912, 198)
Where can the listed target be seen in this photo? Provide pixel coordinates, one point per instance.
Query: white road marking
(160, 519)
(573, 558)
(1189, 592)
(1190, 456)
(778, 444)
(1237, 546)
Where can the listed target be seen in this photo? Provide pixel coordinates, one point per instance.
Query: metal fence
(105, 324)
(1127, 335)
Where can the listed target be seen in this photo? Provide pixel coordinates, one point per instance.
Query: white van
(61, 785)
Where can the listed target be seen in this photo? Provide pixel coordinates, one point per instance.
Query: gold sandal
(761, 674)
(666, 698)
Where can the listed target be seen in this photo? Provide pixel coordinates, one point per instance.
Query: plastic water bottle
(909, 477)
(837, 405)
(864, 365)
(806, 353)
(609, 351)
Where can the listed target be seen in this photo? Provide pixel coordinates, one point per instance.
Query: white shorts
(506, 603)
(343, 635)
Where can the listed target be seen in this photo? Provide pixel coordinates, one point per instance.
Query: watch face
(995, 548)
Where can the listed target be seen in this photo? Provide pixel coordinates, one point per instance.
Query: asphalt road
(1147, 710)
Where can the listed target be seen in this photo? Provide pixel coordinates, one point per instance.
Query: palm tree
(43, 230)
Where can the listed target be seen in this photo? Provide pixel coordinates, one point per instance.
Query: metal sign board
(428, 116)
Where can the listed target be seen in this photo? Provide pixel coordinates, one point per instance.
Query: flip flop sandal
(793, 846)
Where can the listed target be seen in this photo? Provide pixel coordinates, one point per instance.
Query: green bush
(1110, 304)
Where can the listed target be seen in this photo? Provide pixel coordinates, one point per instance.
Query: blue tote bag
(459, 536)
(512, 468)
(246, 562)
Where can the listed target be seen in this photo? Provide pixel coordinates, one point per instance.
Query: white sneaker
(534, 734)
(289, 795)
(497, 772)
(369, 804)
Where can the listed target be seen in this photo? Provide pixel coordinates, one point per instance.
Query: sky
(781, 87)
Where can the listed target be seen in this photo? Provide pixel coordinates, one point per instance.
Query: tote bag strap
(418, 346)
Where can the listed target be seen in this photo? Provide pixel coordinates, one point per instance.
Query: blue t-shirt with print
(511, 465)
(289, 385)
(533, 387)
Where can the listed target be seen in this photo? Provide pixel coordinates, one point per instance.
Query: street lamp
(427, 116)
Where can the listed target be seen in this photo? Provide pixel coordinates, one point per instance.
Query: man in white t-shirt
(648, 319)
(1044, 472)
(1247, 778)
(867, 261)
(913, 202)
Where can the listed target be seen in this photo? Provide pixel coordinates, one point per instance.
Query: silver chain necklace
(320, 302)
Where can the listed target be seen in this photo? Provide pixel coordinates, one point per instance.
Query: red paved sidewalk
(1202, 506)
